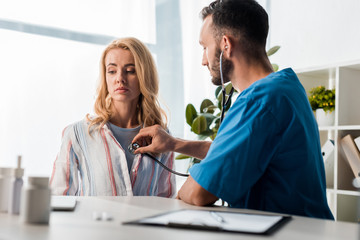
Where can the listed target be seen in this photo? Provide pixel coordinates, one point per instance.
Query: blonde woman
(94, 159)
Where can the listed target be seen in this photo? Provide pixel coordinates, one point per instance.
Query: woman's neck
(124, 115)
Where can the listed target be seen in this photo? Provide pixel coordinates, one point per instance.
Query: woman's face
(121, 78)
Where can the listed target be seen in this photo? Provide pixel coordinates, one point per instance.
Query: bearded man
(266, 155)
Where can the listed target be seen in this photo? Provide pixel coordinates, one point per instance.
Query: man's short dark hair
(245, 20)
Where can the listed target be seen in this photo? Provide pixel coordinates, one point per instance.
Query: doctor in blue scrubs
(266, 155)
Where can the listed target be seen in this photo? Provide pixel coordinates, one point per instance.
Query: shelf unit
(343, 198)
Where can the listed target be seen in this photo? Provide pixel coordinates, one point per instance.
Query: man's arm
(191, 192)
(155, 139)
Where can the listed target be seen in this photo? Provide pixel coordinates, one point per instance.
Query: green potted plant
(206, 122)
(322, 101)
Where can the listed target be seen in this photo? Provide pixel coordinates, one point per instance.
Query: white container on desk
(35, 201)
(15, 188)
(5, 182)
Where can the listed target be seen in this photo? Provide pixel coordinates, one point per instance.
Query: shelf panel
(327, 128)
(348, 208)
(340, 127)
(354, 66)
(331, 198)
(315, 78)
(347, 94)
(349, 127)
(316, 73)
(330, 67)
(347, 192)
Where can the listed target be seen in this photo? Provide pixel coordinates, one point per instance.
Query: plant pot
(325, 118)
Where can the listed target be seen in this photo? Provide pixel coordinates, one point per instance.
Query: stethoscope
(132, 147)
(224, 101)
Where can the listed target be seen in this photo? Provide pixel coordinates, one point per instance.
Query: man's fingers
(146, 149)
(148, 132)
(140, 136)
(148, 141)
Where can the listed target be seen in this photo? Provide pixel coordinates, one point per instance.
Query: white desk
(80, 224)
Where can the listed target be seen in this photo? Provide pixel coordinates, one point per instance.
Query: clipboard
(215, 221)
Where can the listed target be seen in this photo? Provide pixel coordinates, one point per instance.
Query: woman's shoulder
(82, 122)
(76, 126)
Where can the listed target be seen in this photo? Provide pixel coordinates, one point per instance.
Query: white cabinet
(343, 198)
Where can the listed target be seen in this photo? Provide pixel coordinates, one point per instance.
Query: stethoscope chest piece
(133, 146)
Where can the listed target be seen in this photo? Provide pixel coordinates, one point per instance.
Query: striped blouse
(96, 166)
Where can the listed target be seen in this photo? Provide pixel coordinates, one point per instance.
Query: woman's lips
(121, 90)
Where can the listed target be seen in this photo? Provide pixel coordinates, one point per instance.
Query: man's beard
(227, 68)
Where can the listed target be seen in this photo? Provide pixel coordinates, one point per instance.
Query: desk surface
(81, 225)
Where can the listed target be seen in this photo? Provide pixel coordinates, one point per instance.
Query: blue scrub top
(267, 153)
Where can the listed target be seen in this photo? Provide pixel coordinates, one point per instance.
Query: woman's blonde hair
(149, 111)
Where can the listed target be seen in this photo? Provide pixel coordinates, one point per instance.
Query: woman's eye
(131, 71)
(111, 72)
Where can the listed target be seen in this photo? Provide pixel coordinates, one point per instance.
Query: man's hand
(154, 140)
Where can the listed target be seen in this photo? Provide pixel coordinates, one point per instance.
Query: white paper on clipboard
(232, 221)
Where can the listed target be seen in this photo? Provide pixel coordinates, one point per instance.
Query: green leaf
(219, 99)
(228, 88)
(228, 105)
(320, 97)
(192, 162)
(212, 137)
(205, 135)
(211, 109)
(272, 50)
(209, 118)
(199, 124)
(275, 67)
(181, 156)
(217, 91)
(204, 106)
(190, 114)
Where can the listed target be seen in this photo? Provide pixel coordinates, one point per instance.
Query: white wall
(47, 81)
(197, 79)
(314, 33)
(45, 84)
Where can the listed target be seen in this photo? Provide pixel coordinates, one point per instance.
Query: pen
(217, 217)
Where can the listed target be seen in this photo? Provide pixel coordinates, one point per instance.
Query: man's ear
(227, 45)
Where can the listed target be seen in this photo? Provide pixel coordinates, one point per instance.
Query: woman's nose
(120, 78)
